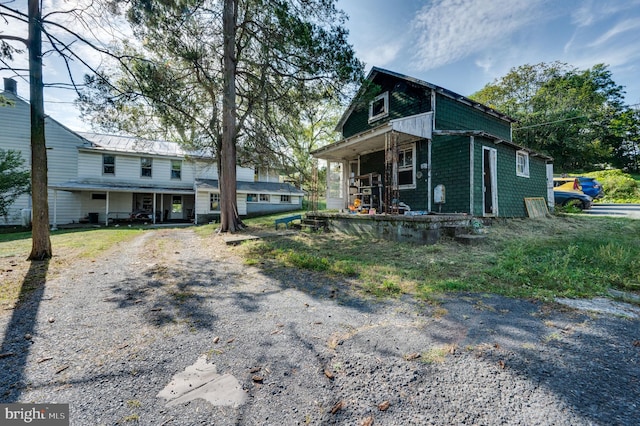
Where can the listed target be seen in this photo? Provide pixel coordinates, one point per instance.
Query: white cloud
(382, 54)
(591, 11)
(621, 27)
(451, 30)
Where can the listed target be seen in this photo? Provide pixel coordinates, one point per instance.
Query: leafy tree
(223, 76)
(13, 180)
(563, 111)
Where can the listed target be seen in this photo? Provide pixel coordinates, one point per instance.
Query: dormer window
(379, 107)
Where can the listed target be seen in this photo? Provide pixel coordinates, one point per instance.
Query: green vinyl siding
(450, 167)
(512, 189)
(455, 115)
(405, 99)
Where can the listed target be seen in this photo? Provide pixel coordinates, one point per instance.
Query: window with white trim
(176, 169)
(108, 164)
(214, 202)
(264, 198)
(145, 166)
(285, 198)
(407, 168)
(252, 198)
(379, 107)
(522, 163)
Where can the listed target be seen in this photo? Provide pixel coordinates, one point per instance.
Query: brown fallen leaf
(367, 422)
(257, 379)
(276, 332)
(636, 343)
(7, 354)
(216, 339)
(339, 405)
(496, 345)
(231, 340)
(328, 373)
(502, 364)
(155, 309)
(48, 358)
(255, 370)
(384, 406)
(411, 356)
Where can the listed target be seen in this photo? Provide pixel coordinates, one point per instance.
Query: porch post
(195, 205)
(154, 207)
(106, 213)
(429, 196)
(162, 208)
(54, 226)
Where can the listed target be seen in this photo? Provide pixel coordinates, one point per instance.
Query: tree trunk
(229, 219)
(41, 241)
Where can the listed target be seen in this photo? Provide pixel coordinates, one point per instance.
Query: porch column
(195, 206)
(154, 207)
(106, 213)
(54, 226)
(161, 207)
(429, 194)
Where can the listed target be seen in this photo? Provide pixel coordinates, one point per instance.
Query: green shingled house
(409, 145)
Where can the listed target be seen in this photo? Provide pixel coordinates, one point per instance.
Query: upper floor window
(379, 107)
(108, 164)
(214, 202)
(176, 169)
(522, 164)
(406, 168)
(145, 166)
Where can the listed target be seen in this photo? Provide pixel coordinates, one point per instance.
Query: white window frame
(285, 198)
(252, 197)
(264, 198)
(112, 165)
(406, 167)
(522, 163)
(176, 169)
(214, 197)
(143, 167)
(385, 102)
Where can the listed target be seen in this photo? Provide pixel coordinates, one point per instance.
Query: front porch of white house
(110, 204)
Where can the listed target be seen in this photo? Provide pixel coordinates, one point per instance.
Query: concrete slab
(201, 380)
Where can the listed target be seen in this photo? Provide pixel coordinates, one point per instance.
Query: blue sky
(463, 45)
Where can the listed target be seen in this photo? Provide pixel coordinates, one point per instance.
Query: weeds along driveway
(108, 336)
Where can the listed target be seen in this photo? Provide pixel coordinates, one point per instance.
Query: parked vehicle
(591, 187)
(572, 198)
(567, 184)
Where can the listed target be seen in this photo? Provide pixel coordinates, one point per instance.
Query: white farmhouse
(106, 179)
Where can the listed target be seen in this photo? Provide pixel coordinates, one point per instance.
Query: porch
(418, 229)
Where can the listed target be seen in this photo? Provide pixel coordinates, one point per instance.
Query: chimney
(10, 86)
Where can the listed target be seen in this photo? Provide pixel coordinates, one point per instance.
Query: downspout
(106, 213)
(471, 172)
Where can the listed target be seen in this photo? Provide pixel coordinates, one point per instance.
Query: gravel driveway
(109, 335)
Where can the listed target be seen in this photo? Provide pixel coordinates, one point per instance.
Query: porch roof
(91, 185)
(409, 129)
(243, 186)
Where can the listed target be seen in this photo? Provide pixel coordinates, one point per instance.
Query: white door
(550, 197)
(176, 207)
(489, 181)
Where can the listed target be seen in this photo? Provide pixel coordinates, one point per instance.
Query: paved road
(622, 210)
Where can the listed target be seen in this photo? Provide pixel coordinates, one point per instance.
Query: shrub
(618, 186)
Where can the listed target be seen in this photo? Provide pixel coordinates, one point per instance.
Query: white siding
(245, 174)
(206, 170)
(62, 155)
(202, 203)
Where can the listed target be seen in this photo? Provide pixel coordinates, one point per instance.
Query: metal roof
(243, 186)
(93, 185)
(131, 144)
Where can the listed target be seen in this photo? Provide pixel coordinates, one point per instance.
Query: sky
(461, 45)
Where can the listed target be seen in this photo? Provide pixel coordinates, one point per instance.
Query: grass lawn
(569, 256)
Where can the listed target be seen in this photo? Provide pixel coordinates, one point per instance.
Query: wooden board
(536, 207)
